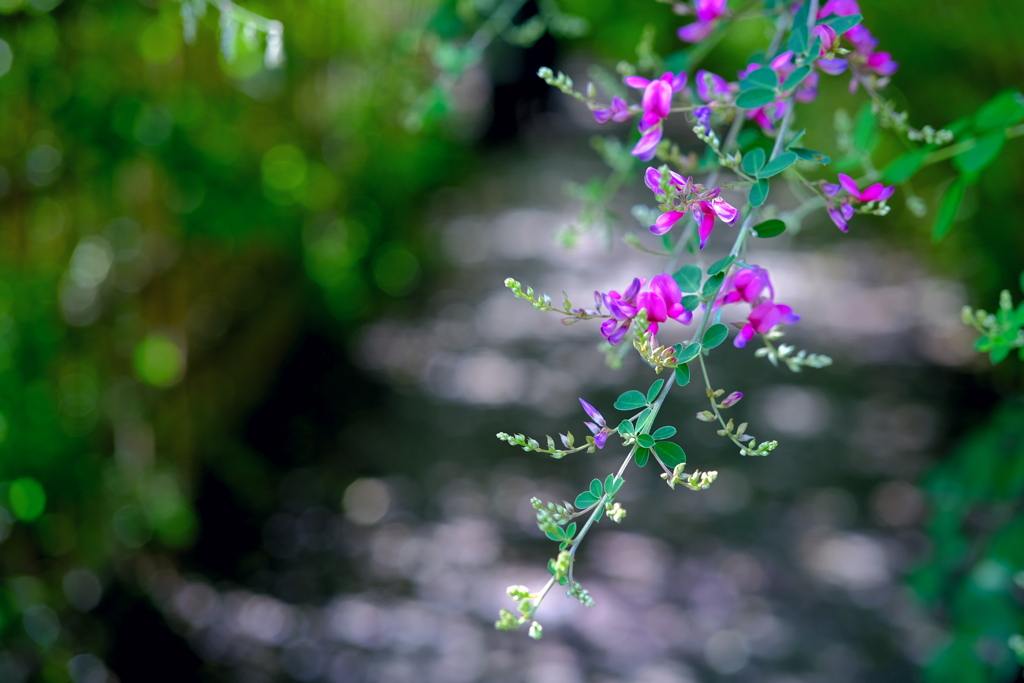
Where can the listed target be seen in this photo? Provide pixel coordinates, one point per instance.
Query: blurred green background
(189, 246)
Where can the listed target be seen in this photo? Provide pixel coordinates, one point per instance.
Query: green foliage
(630, 400)
(759, 193)
(974, 529)
(772, 227)
(721, 265)
(715, 335)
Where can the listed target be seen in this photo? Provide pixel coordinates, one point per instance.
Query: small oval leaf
(755, 99)
(777, 165)
(715, 335)
(645, 440)
(584, 500)
(652, 393)
(682, 375)
(631, 400)
(753, 161)
(689, 353)
(666, 432)
(641, 456)
(759, 193)
(720, 265)
(670, 453)
(688, 278)
(772, 227)
(763, 77)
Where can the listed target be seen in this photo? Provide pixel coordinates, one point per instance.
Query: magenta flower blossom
(599, 428)
(706, 204)
(747, 284)
(840, 215)
(732, 399)
(618, 111)
(872, 193)
(713, 88)
(662, 301)
(762, 319)
(708, 13)
(656, 103)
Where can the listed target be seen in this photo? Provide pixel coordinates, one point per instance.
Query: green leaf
(689, 353)
(865, 133)
(777, 165)
(641, 420)
(984, 152)
(688, 278)
(612, 484)
(559, 536)
(664, 433)
(584, 500)
(753, 161)
(670, 453)
(631, 400)
(904, 167)
(770, 228)
(800, 39)
(645, 440)
(715, 335)
(596, 488)
(755, 99)
(796, 78)
(999, 353)
(570, 531)
(948, 209)
(711, 286)
(759, 193)
(652, 393)
(764, 77)
(682, 375)
(1022, 283)
(1002, 111)
(811, 155)
(691, 302)
(842, 24)
(641, 456)
(625, 428)
(720, 265)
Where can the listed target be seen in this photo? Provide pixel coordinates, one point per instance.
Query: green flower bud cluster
(698, 481)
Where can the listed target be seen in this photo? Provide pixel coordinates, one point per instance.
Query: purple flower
(657, 104)
(712, 87)
(747, 284)
(840, 215)
(705, 212)
(618, 111)
(662, 301)
(732, 399)
(708, 12)
(873, 193)
(703, 116)
(762, 319)
(600, 429)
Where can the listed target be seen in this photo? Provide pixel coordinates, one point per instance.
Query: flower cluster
(677, 194)
(660, 302)
(842, 210)
(754, 286)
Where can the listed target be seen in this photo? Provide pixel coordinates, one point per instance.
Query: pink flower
(708, 13)
(618, 111)
(873, 193)
(599, 428)
(713, 88)
(840, 215)
(707, 204)
(662, 301)
(657, 104)
(747, 284)
(705, 212)
(762, 319)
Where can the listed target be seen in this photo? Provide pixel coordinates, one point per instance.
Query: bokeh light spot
(6, 57)
(366, 501)
(284, 168)
(158, 361)
(396, 270)
(159, 42)
(27, 498)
